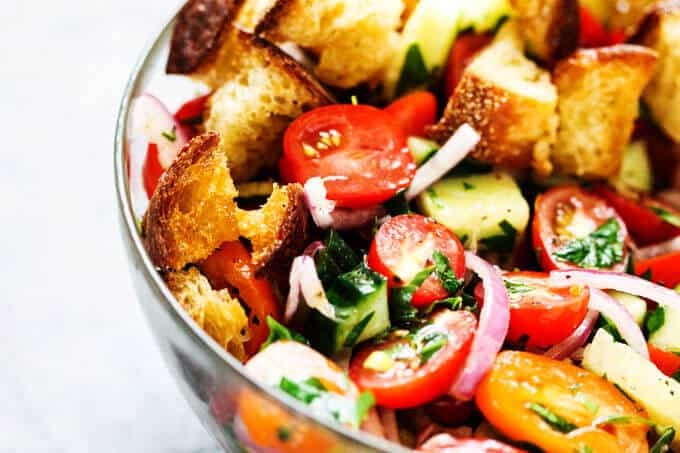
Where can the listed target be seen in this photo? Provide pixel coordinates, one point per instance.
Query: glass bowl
(210, 379)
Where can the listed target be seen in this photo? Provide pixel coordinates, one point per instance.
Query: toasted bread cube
(550, 28)
(193, 209)
(661, 31)
(510, 101)
(220, 316)
(599, 90)
(354, 39)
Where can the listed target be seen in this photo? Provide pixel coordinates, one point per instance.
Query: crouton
(598, 93)
(259, 91)
(509, 100)
(627, 14)
(661, 31)
(550, 28)
(197, 31)
(220, 316)
(354, 39)
(193, 209)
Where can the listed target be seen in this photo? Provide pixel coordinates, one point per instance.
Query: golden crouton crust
(216, 312)
(197, 31)
(599, 91)
(272, 17)
(192, 210)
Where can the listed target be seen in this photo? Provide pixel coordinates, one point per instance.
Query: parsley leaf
(467, 186)
(654, 320)
(432, 345)
(402, 312)
(278, 332)
(600, 249)
(554, 420)
(623, 419)
(435, 198)
(283, 433)
(504, 242)
(414, 72)
(665, 439)
(666, 216)
(170, 136)
(452, 303)
(516, 287)
(444, 272)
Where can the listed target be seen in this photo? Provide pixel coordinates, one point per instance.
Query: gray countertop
(79, 372)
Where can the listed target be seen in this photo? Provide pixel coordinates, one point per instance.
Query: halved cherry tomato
(521, 384)
(464, 49)
(666, 361)
(269, 425)
(151, 170)
(362, 147)
(232, 267)
(446, 443)
(645, 225)
(594, 33)
(414, 112)
(414, 378)
(565, 213)
(539, 314)
(191, 112)
(403, 246)
(664, 269)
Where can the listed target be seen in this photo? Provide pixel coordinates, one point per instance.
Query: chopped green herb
(283, 433)
(305, 391)
(676, 375)
(445, 274)
(600, 249)
(278, 332)
(574, 388)
(622, 420)
(432, 345)
(435, 198)
(516, 287)
(467, 186)
(630, 266)
(397, 205)
(592, 407)
(647, 275)
(464, 238)
(620, 389)
(402, 312)
(664, 440)
(414, 72)
(170, 136)
(554, 420)
(666, 216)
(504, 242)
(364, 404)
(140, 228)
(654, 320)
(452, 303)
(584, 449)
(357, 330)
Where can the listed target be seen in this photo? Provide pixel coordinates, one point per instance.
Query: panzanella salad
(449, 224)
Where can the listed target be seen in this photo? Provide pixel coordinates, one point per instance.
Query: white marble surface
(79, 371)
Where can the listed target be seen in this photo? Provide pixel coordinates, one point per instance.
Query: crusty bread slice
(661, 31)
(550, 28)
(193, 209)
(599, 90)
(193, 212)
(259, 91)
(509, 100)
(353, 38)
(220, 316)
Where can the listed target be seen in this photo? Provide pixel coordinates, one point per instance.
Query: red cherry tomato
(362, 146)
(560, 216)
(645, 225)
(414, 379)
(414, 112)
(595, 34)
(667, 362)
(446, 443)
(151, 170)
(191, 112)
(403, 246)
(664, 269)
(464, 49)
(539, 314)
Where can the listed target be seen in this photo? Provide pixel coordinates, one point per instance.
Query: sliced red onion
(152, 120)
(313, 248)
(494, 320)
(619, 281)
(372, 424)
(454, 150)
(662, 248)
(619, 315)
(574, 341)
(389, 423)
(304, 281)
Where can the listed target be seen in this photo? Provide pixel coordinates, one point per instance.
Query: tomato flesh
(403, 246)
(594, 34)
(464, 50)
(361, 149)
(410, 382)
(667, 362)
(232, 267)
(414, 112)
(664, 269)
(566, 213)
(151, 170)
(518, 381)
(540, 315)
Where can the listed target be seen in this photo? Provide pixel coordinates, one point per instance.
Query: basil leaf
(414, 72)
(554, 420)
(445, 274)
(600, 249)
(278, 332)
(504, 242)
(666, 216)
(654, 320)
(665, 439)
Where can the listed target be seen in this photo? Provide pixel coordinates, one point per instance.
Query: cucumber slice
(421, 149)
(667, 337)
(636, 306)
(636, 170)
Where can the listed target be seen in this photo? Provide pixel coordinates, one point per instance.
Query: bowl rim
(151, 274)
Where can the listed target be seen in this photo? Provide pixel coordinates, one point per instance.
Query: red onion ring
(389, 423)
(304, 281)
(574, 341)
(313, 248)
(619, 315)
(619, 281)
(454, 150)
(494, 320)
